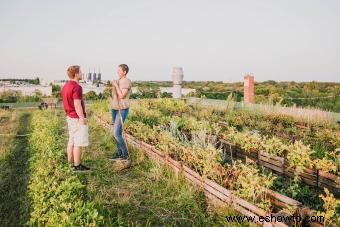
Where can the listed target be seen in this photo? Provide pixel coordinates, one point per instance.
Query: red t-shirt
(71, 91)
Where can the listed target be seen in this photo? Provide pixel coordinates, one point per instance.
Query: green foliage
(205, 159)
(299, 157)
(306, 94)
(91, 95)
(248, 141)
(107, 92)
(274, 146)
(35, 81)
(328, 163)
(331, 206)
(184, 132)
(16, 96)
(309, 195)
(249, 183)
(56, 193)
(56, 91)
(146, 92)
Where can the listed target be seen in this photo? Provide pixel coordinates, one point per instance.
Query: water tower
(177, 78)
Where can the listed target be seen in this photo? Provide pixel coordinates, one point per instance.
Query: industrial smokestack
(177, 78)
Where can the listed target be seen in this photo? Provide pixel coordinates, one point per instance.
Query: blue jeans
(117, 131)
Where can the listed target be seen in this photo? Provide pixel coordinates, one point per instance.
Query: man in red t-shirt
(72, 95)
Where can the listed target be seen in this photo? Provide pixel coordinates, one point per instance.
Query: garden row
(204, 158)
(216, 193)
(57, 194)
(294, 160)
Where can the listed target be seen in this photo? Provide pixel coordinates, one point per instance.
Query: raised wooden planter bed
(279, 165)
(212, 190)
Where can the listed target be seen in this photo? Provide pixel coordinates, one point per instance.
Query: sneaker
(115, 158)
(81, 168)
(126, 162)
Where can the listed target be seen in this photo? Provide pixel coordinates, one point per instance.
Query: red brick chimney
(248, 89)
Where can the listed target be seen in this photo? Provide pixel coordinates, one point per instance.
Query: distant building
(87, 86)
(27, 89)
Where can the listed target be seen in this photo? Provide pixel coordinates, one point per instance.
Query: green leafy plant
(330, 207)
(299, 157)
(250, 184)
(274, 146)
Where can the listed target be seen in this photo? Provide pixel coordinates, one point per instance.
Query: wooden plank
(306, 180)
(310, 171)
(278, 204)
(329, 182)
(146, 144)
(158, 152)
(276, 158)
(218, 187)
(271, 162)
(272, 167)
(175, 163)
(249, 206)
(191, 172)
(329, 176)
(243, 211)
(283, 198)
(334, 190)
(308, 175)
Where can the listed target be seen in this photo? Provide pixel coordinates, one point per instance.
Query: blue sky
(212, 40)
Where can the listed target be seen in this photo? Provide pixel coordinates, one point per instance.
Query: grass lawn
(14, 203)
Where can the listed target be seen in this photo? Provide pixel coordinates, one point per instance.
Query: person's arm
(80, 111)
(114, 92)
(77, 97)
(121, 93)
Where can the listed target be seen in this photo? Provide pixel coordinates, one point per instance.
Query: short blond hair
(124, 67)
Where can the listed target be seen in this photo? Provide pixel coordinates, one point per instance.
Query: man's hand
(114, 83)
(83, 121)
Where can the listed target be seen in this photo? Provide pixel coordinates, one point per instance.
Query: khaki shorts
(78, 133)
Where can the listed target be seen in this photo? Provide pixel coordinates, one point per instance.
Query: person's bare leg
(76, 155)
(70, 153)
